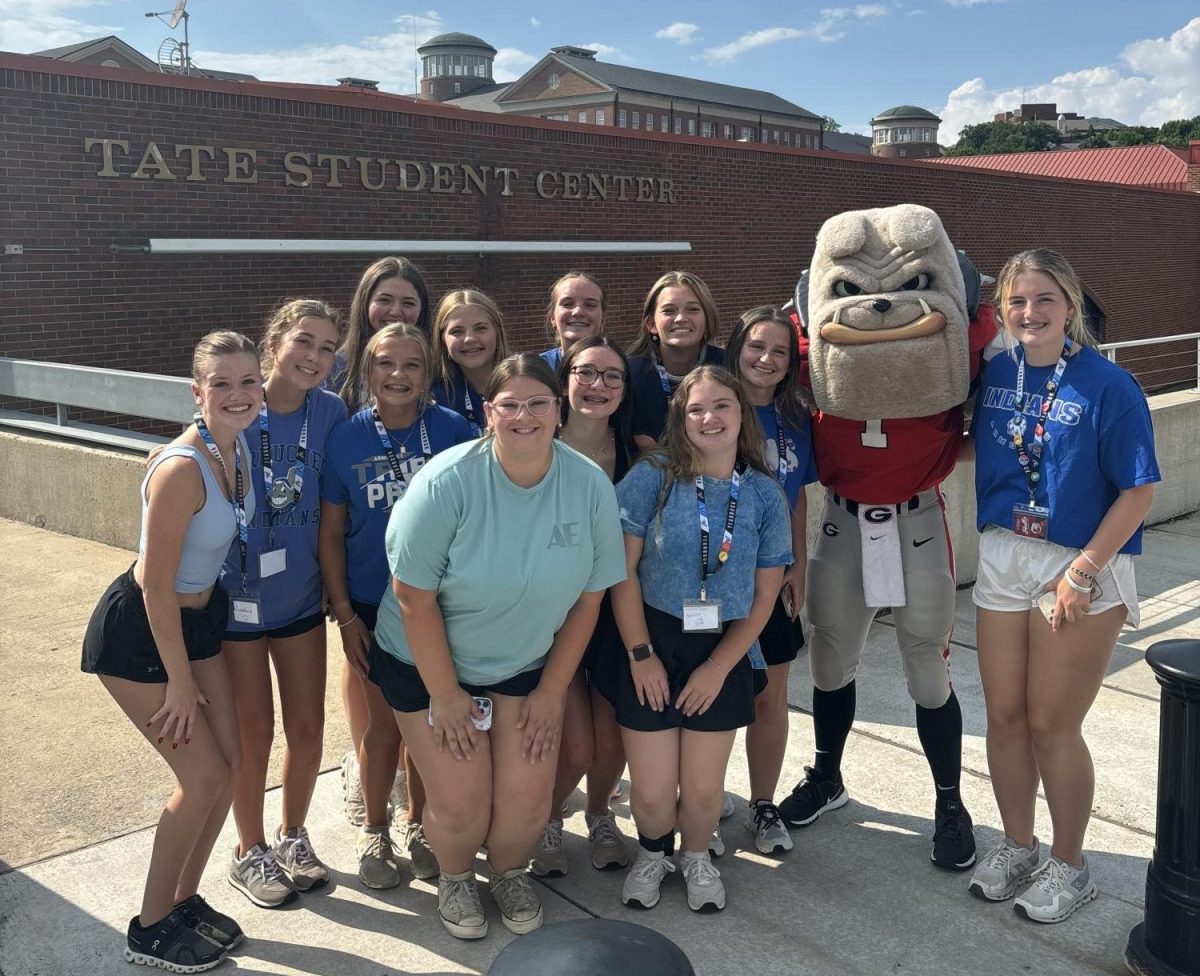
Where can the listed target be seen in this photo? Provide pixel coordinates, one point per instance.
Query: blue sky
(964, 59)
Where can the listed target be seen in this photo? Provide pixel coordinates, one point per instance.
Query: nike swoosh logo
(876, 538)
(917, 543)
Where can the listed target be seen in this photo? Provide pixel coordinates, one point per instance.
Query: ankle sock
(658, 845)
(940, 732)
(833, 715)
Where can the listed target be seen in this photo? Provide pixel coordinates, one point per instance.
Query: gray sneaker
(770, 834)
(727, 807)
(377, 865)
(398, 798)
(295, 856)
(716, 843)
(705, 890)
(608, 846)
(1004, 870)
(352, 798)
(549, 859)
(257, 875)
(642, 883)
(520, 909)
(1058, 890)
(460, 907)
(422, 861)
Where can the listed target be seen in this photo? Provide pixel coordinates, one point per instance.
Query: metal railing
(1110, 348)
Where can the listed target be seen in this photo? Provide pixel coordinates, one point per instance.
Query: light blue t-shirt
(359, 476)
(508, 563)
(280, 522)
(799, 465)
(1100, 441)
(669, 569)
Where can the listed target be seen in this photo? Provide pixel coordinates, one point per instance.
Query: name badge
(1031, 521)
(247, 609)
(701, 616)
(270, 563)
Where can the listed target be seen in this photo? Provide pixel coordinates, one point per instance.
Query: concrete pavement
(857, 895)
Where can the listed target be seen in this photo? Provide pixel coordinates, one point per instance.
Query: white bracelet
(1084, 554)
(348, 622)
(1078, 588)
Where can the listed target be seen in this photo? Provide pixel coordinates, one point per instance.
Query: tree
(1004, 137)
(1095, 140)
(1179, 132)
(1135, 135)
(831, 124)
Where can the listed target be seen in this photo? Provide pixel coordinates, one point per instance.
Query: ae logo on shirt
(564, 536)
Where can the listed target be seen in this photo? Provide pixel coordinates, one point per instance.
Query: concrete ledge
(92, 492)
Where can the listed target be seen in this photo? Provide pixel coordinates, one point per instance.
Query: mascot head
(887, 316)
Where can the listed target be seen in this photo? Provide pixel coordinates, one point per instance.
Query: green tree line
(1011, 137)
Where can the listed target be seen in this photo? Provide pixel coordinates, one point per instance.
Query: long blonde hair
(443, 368)
(646, 343)
(1057, 267)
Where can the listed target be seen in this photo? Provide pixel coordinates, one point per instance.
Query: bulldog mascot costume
(892, 351)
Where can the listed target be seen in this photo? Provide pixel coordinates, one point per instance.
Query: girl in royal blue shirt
(468, 341)
(1064, 476)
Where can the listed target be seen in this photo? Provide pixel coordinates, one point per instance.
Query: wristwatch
(640, 652)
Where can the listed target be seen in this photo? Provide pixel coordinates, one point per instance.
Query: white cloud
(750, 41)
(607, 51)
(830, 26)
(1157, 79)
(679, 32)
(970, 3)
(511, 63)
(27, 27)
(534, 22)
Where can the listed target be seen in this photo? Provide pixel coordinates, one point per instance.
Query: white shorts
(1014, 570)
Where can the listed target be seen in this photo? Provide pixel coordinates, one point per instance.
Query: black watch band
(640, 652)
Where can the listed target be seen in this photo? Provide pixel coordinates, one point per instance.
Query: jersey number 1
(873, 435)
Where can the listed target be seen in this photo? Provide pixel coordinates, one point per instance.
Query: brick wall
(750, 213)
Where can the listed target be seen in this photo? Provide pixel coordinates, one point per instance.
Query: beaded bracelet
(1079, 572)
(348, 622)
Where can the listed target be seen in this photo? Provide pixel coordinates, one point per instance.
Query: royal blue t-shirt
(1100, 441)
(800, 467)
(464, 401)
(281, 523)
(649, 397)
(359, 476)
(553, 357)
(669, 569)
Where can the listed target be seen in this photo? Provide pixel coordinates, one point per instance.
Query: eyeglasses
(614, 379)
(537, 406)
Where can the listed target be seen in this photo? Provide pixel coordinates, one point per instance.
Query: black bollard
(592, 947)
(1167, 943)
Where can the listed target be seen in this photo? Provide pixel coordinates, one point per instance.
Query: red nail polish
(160, 738)
(174, 745)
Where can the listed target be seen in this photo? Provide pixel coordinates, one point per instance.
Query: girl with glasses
(576, 312)
(373, 457)
(596, 423)
(500, 553)
(707, 538)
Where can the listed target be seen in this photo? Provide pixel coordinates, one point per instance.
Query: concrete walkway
(857, 895)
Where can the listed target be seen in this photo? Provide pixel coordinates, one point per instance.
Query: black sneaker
(210, 923)
(812, 796)
(171, 945)
(953, 837)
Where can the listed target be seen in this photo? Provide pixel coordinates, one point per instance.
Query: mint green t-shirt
(508, 563)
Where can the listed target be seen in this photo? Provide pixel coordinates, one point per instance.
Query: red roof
(1151, 166)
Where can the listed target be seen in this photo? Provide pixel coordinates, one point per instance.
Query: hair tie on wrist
(348, 622)
(717, 665)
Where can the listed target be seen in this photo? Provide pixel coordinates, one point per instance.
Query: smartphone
(789, 601)
(482, 724)
(1045, 603)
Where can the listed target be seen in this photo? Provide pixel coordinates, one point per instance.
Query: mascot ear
(972, 279)
(800, 301)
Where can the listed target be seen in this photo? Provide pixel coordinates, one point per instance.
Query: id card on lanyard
(281, 493)
(1032, 521)
(246, 607)
(703, 616)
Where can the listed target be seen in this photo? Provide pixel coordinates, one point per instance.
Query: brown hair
(524, 364)
(1057, 267)
(554, 298)
(358, 331)
(284, 318)
(443, 368)
(647, 341)
(788, 399)
(223, 342)
(397, 330)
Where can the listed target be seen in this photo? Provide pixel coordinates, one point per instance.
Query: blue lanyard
(726, 535)
(1030, 456)
(287, 495)
(780, 445)
(469, 410)
(386, 440)
(239, 496)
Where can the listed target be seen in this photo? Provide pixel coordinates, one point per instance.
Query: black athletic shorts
(782, 637)
(681, 654)
(404, 690)
(367, 612)
(118, 641)
(294, 629)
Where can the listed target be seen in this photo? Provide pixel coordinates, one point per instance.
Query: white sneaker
(716, 843)
(352, 798)
(520, 907)
(1058, 890)
(460, 907)
(1004, 870)
(640, 889)
(705, 891)
(549, 860)
(770, 833)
